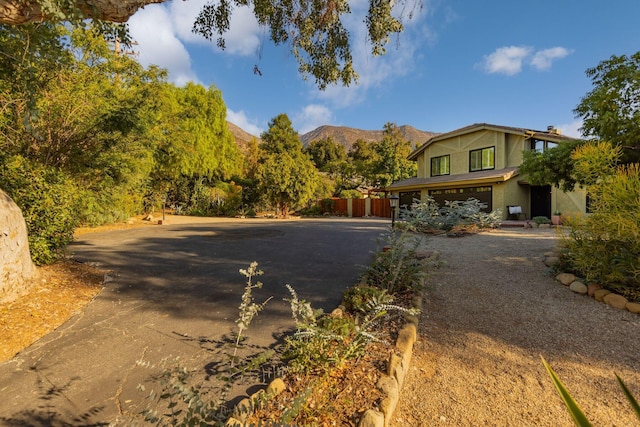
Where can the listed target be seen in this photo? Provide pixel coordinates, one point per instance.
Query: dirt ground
(489, 314)
(62, 290)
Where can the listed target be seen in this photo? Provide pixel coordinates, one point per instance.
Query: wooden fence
(357, 208)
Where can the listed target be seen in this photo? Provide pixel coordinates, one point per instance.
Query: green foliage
(379, 163)
(314, 30)
(326, 154)
(360, 298)
(541, 220)
(605, 246)
(287, 177)
(322, 342)
(574, 409)
(553, 166)
(426, 216)
(248, 308)
(610, 110)
(396, 270)
(49, 200)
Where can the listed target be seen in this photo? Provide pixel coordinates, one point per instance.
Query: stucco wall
(508, 151)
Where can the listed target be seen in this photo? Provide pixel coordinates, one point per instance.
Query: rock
(566, 278)
(276, 387)
(600, 294)
(578, 287)
(550, 261)
(550, 253)
(17, 272)
(615, 300)
(592, 288)
(544, 226)
(372, 418)
(633, 307)
(406, 337)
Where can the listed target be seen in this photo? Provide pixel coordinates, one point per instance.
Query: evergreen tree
(288, 178)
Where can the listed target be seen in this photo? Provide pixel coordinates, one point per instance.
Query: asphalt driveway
(174, 293)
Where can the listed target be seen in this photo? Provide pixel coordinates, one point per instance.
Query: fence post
(350, 208)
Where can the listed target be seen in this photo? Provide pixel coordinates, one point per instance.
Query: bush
(396, 270)
(541, 220)
(49, 200)
(426, 216)
(605, 246)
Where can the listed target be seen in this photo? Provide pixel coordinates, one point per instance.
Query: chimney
(552, 129)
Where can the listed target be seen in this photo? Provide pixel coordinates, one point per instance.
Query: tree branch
(15, 12)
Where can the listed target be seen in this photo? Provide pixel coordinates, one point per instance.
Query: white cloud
(509, 60)
(163, 30)
(240, 119)
(311, 117)
(158, 44)
(375, 72)
(542, 59)
(506, 60)
(572, 129)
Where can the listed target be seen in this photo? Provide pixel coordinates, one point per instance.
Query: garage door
(483, 194)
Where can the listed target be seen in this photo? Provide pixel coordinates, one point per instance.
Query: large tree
(287, 176)
(314, 30)
(611, 110)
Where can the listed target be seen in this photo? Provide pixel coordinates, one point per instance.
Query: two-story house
(482, 161)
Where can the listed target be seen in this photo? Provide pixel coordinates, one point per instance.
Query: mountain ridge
(343, 135)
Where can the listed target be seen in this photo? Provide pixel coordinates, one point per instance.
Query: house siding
(509, 144)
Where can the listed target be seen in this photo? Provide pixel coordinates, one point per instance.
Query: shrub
(49, 200)
(396, 270)
(426, 216)
(541, 220)
(605, 246)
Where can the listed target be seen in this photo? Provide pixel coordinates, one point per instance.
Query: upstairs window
(541, 146)
(440, 165)
(482, 159)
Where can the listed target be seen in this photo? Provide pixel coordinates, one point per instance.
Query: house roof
(473, 178)
(548, 135)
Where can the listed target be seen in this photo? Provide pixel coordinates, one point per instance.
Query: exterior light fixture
(394, 201)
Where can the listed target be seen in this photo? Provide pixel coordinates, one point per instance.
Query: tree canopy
(314, 30)
(287, 176)
(611, 110)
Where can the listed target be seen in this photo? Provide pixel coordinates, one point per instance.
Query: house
(481, 161)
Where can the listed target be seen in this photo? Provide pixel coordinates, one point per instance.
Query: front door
(541, 201)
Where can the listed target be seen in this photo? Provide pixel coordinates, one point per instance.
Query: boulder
(550, 261)
(578, 287)
(592, 288)
(633, 307)
(600, 294)
(17, 271)
(615, 300)
(566, 278)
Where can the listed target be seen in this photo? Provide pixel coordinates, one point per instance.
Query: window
(541, 146)
(482, 159)
(440, 165)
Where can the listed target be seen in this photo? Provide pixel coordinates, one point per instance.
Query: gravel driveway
(489, 313)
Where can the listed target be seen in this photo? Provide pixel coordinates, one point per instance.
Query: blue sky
(506, 62)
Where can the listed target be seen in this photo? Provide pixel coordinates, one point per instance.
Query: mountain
(341, 134)
(348, 136)
(241, 137)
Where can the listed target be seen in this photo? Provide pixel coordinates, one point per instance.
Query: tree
(382, 162)
(611, 110)
(288, 178)
(313, 29)
(326, 154)
(553, 166)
